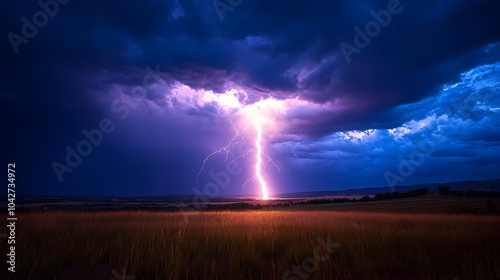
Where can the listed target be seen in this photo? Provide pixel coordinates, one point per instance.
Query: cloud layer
(332, 119)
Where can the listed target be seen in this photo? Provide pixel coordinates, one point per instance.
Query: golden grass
(255, 245)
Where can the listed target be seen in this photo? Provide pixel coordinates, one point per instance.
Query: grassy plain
(256, 245)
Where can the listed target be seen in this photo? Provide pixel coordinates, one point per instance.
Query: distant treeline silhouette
(491, 194)
(445, 190)
(394, 195)
(380, 196)
(109, 205)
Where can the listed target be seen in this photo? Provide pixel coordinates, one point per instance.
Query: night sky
(345, 96)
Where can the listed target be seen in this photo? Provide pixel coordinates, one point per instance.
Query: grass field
(255, 245)
(419, 204)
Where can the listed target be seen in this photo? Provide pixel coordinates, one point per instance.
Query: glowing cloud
(269, 117)
(258, 165)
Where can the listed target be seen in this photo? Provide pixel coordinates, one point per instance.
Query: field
(420, 204)
(256, 245)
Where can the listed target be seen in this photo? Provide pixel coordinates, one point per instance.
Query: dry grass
(255, 245)
(419, 204)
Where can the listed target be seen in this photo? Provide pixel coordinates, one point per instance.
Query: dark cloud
(65, 77)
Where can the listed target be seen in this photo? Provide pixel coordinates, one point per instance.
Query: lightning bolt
(258, 115)
(293, 151)
(295, 154)
(227, 148)
(258, 165)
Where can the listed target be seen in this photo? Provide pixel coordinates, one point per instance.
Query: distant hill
(493, 185)
(487, 185)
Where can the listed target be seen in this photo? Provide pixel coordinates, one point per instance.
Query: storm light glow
(184, 94)
(258, 158)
